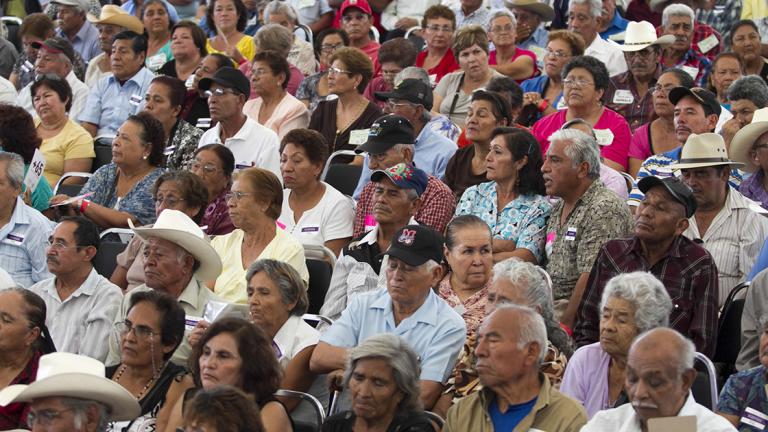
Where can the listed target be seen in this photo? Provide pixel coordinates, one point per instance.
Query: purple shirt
(216, 216)
(586, 378)
(753, 189)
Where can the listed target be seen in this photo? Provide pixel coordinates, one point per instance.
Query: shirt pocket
(361, 279)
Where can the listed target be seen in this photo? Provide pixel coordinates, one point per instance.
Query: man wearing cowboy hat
(112, 21)
(748, 147)
(178, 258)
(631, 93)
(725, 222)
(71, 393)
(531, 16)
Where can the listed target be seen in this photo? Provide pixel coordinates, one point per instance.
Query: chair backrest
(438, 422)
(13, 24)
(319, 253)
(344, 177)
(103, 156)
(630, 181)
(316, 319)
(70, 189)
(302, 426)
(729, 330)
(306, 31)
(415, 39)
(320, 272)
(113, 242)
(704, 387)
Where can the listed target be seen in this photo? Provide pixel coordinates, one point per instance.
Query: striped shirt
(23, 245)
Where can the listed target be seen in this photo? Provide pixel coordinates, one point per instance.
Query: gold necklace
(146, 387)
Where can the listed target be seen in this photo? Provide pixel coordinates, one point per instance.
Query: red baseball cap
(360, 4)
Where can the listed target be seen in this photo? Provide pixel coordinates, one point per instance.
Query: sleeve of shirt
(703, 329)
(100, 322)
(345, 331)
(79, 146)
(588, 314)
(336, 297)
(113, 356)
(573, 378)
(437, 211)
(126, 258)
(37, 252)
(365, 177)
(752, 236)
(635, 196)
(466, 204)
(362, 209)
(593, 236)
(534, 228)
(91, 112)
(639, 147)
(339, 220)
(729, 401)
(442, 88)
(753, 309)
(440, 357)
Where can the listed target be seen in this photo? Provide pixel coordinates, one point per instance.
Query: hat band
(640, 43)
(704, 160)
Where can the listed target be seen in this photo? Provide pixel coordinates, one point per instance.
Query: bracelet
(543, 105)
(84, 205)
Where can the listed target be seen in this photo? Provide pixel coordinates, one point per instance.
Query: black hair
(177, 91)
(58, 85)
(507, 86)
(152, 134)
(682, 76)
(595, 67)
(223, 153)
(172, 318)
(139, 42)
(242, 15)
(739, 24)
(499, 104)
(329, 31)
(35, 313)
(521, 143)
(87, 232)
(459, 223)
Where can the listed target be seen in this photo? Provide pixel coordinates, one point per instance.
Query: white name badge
(623, 97)
(570, 234)
(358, 136)
(35, 171)
(190, 81)
(561, 104)
(433, 80)
(707, 44)
(604, 137)
(156, 61)
(136, 100)
(692, 71)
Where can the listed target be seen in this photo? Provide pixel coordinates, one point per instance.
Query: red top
(518, 52)
(447, 65)
(14, 416)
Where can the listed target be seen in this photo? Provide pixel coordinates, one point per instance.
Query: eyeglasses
(393, 104)
(558, 54)
(169, 201)
(207, 168)
(45, 417)
(236, 195)
(503, 29)
(330, 47)
(142, 332)
(258, 72)
(570, 82)
(437, 29)
(333, 70)
(662, 90)
(58, 245)
(219, 92)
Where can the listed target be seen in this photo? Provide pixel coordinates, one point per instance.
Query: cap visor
(382, 96)
(410, 258)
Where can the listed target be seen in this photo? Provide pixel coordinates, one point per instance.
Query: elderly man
(678, 20)
(178, 259)
(746, 95)
(112, 21)
(407, 307)
(390, 142)
(658, 384)
(631, 93)
(686, 269)
(357, 20)
(612, 24)
(397, 194)
(116, 97)
(584, 18)
(71, 393)
(516, 396)
(24, 231)
(251, 143)
(706, 40)
(55, 56)
(76, 293)
(531, 34)
(74, 26)
(587, 216)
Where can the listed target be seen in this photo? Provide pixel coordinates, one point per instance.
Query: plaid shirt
(687, 271)
(721, 17)
(693, 59)
(640, 110)
(436, 210)
(700, 32)
(14, 416)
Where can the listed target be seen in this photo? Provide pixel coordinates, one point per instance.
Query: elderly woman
(543, 95)
(314, 88)
(513, 202)
(344, 121)
(658, 136)
(746, 95)
(275, 108)
(453, 93)
(254, 206)
(726, 68)
(152, 330)
(437, 59)
(512, 61)
(632, 303)
(196, 103)
(585, 79)
(227, 20)
(487, 111)
(120, 190)
(164, 100)
(223, 408)
(177, 190)
(394, 56)
(187, 50)
(313, 211)
(382, 376)
(301, 55)
(24, 339)
(745, 42)
(67, 147)
(157, 23)
(215, 163)
(274, 37)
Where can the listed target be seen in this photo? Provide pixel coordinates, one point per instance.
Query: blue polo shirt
(618, 25)
(435, 331)
(86, 41)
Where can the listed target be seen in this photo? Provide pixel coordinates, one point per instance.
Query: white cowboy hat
(178, 228)
(63, 374)
(742, 142)
(543, 10)
(642, 34)
(704, 150)
(115, 15)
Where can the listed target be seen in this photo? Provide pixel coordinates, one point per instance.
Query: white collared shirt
(79, 97)
(609, 53)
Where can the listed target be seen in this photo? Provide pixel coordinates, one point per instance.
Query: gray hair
(14, 168)
(595, 6)
(646, 293)
(282, 8)
(286, 278)
(750, 87)
(400, 357)
(412, 72)
(402, 147)
(501, 13)
(685, 349)
(80, 407)
(274, 37)
(676, 9)
(530, 327)
(583, 148)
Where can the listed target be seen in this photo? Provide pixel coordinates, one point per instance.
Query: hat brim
(206, 83)
(123, 406)
(373, 147)
(410, 258)
(742, 142)
(545, 11)
(690, 165)
(383, 96)
(650, 182)
(662, 41)
(128, 22)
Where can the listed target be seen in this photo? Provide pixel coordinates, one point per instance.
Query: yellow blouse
(72, 142)
(245, 45)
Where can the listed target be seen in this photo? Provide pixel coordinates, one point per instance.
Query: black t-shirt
(458, 172)
(403, 422)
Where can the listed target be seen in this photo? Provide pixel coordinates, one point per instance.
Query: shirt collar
(135, 78)
(286, 333)
(426, 313)
(191, 293)
(675, 249)
(88, 287)
(372, 235)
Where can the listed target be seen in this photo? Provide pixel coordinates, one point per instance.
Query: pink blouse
(473, 310)
(289, 114)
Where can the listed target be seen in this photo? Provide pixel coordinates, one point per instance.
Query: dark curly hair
(172, 318)
(260, 372)
(329, 31)
(242, 15)
(152, 134)
(276, 63)
(595, 67)
(521, 143)
(192, 187)
(398, 50)
(312, 141)
(17, 132)
(59, 86)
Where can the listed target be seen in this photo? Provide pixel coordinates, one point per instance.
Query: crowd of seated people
(415, 215)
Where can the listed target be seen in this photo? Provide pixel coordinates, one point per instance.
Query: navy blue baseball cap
(404, 176)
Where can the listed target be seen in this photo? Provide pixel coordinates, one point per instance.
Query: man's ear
(712, 122)
(415, 206)
(682, 225)
(688, 377)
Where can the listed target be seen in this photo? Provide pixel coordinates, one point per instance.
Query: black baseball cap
(679, 191)
(413, 90)
(386, 132)
(404, 176)
(56, 45)
(230, 78)
(705, 97)
(416, 244)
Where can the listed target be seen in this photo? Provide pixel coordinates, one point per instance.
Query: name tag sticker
(203, 123)
(708, 43)
(623, 97)
(306, 3)
(191, 321)
(27, 66)
(243, 165)
(310, 229)
(15, 238)
(433, 80)
(358, 136)
(692, 71)
(157, 61)
(190, 81)
(570, 234)
(604, 137)
(135, 100)
(754, 418)
(561, 104)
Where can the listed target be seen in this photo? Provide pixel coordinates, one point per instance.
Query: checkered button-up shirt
(701, 31)
(693, 59)
(638, 111)
(721, 17)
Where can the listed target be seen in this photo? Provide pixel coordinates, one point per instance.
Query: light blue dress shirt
(23, 244)
(130, 7)
(86, 41)
(435, 331)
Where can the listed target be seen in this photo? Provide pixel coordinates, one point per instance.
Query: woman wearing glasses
(394, 56)
(585, 80)
(314, 88)
(438, 26)
(152, 330)
(215, 163)
(177, 190)
(516, 63)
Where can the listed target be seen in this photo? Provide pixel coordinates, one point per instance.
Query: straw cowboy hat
(543, 10)
(179, 229)
(115, 15)
(72, 375)
(704, 150)
(642, 34)
(742, 142)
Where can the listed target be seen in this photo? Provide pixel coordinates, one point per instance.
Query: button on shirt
(85, 42)
(609, 53)
(83, 321)
(23, 242)
(434, 331)
(109, 103)
(635, 109)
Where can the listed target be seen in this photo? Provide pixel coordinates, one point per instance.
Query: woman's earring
(144, 157)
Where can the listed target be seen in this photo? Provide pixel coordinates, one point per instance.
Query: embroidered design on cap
(407, 237)
(400, 172)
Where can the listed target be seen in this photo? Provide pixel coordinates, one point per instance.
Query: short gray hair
(14, 168)
(750, 87)
(80, 406)
(583, 148)
(274, 37)
(595, 6)
(685, 352)
(280, 7)
(412, 72)
(400, 357)
(530, 327)
(401, 147)
(501, 13)
(646, 293)
(286, 278)
(676, 9)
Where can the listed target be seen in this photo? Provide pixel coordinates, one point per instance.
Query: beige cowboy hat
(704, 150)
(640, 35)
(63, 374)
(741, 144)
(179, 229)
(543, 10)
(115, 15)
